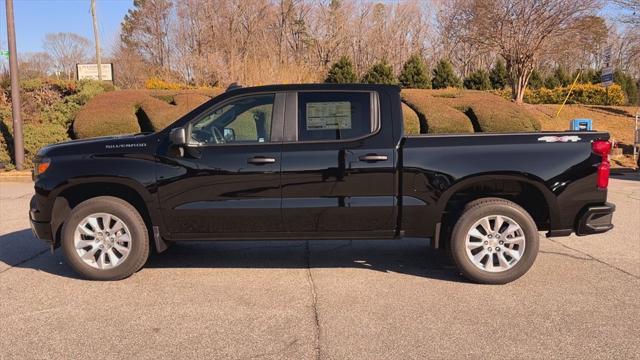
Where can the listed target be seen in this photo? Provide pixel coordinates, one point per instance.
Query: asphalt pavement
(323, 299)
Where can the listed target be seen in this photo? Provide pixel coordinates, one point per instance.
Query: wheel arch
(74, 193)
(526, 191)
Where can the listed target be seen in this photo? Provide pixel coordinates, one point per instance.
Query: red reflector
(601, 147)
(603, 174)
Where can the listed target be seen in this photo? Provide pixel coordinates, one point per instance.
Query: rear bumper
(595, 219)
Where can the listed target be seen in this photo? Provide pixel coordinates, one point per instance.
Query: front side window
(333, 115)
(244, 120)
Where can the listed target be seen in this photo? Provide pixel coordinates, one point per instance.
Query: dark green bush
(444, 76)
(535, 80)
(477, 80)
(498, 75)
(380, 73)
(342, 72)
(415, 74)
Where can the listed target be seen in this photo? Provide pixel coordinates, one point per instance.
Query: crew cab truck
(318, 162)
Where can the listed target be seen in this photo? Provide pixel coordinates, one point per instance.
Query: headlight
(40, 166)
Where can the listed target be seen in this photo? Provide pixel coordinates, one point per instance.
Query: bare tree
(66, 50)
(34, 65)
(146, 28)
(519, 30)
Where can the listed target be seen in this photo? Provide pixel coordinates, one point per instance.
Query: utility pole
(18, 145)
(96, 35)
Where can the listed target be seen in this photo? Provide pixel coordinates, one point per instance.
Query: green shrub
(342, 72)
(35, 137)
(444, 76)
(29, 85)
(498, 75)
(415, 74)
(628, 85)
(585, 94)
(535, 80)
(380, 73)
(477, 80)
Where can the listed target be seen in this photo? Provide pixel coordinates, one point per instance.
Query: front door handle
(261, 160)
(373, 157)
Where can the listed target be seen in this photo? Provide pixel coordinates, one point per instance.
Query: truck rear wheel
(105, 238)
(495, 241)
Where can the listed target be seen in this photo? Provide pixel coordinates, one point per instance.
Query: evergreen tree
(444, 76)
(560, 77)
(380, 73)
(415, 74)
(341, 72)
(498, 75)
(478, 80)
(535, 80)
(551, 82)
(628, 85)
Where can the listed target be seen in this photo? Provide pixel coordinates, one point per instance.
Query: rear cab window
(330, 116)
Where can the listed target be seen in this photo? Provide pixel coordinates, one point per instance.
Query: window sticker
(334, 115)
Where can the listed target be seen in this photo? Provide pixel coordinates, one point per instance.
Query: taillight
(602, 148)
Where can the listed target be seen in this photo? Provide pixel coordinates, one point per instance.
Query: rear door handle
(373, 157)
(261, 160)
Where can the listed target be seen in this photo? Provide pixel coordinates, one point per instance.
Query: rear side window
(333, 115)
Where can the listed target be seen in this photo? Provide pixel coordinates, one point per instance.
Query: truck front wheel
(495, 241)
(105, 238)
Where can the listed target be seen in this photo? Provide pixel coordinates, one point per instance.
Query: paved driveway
(323, 300)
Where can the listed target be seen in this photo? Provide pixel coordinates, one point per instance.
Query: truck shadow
(404, 256)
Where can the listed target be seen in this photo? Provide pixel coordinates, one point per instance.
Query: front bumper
(42, 230)
(39, 226)
(596, 219)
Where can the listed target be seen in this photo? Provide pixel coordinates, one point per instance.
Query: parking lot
(323, 300)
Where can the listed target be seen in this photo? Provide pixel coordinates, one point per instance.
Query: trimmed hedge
(132, 111)
(585, 94)
(457, 111)
(439, 118)
(411, 120)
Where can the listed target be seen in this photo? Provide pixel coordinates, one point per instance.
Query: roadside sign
(606, 78)
(606, 56)
(90, 71)
(4, 53)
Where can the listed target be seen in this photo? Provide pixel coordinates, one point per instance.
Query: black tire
(139, 235)
(477, 210)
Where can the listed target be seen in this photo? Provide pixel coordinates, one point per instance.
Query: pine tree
(478, 80)
(498, 75)
(415, 74)
(535, 80)
(628, 85)
(444, 76)
(341, 72)
(380, 73)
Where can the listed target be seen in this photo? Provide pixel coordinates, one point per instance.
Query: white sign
(90, 71)
(606, 78)
(334, 115)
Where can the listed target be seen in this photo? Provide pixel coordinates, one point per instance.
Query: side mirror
(229, 134)
(178, 136)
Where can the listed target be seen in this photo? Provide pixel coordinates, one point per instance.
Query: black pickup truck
(318, 162)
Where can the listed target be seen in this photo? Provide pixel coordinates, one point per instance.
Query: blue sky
(35, 18)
